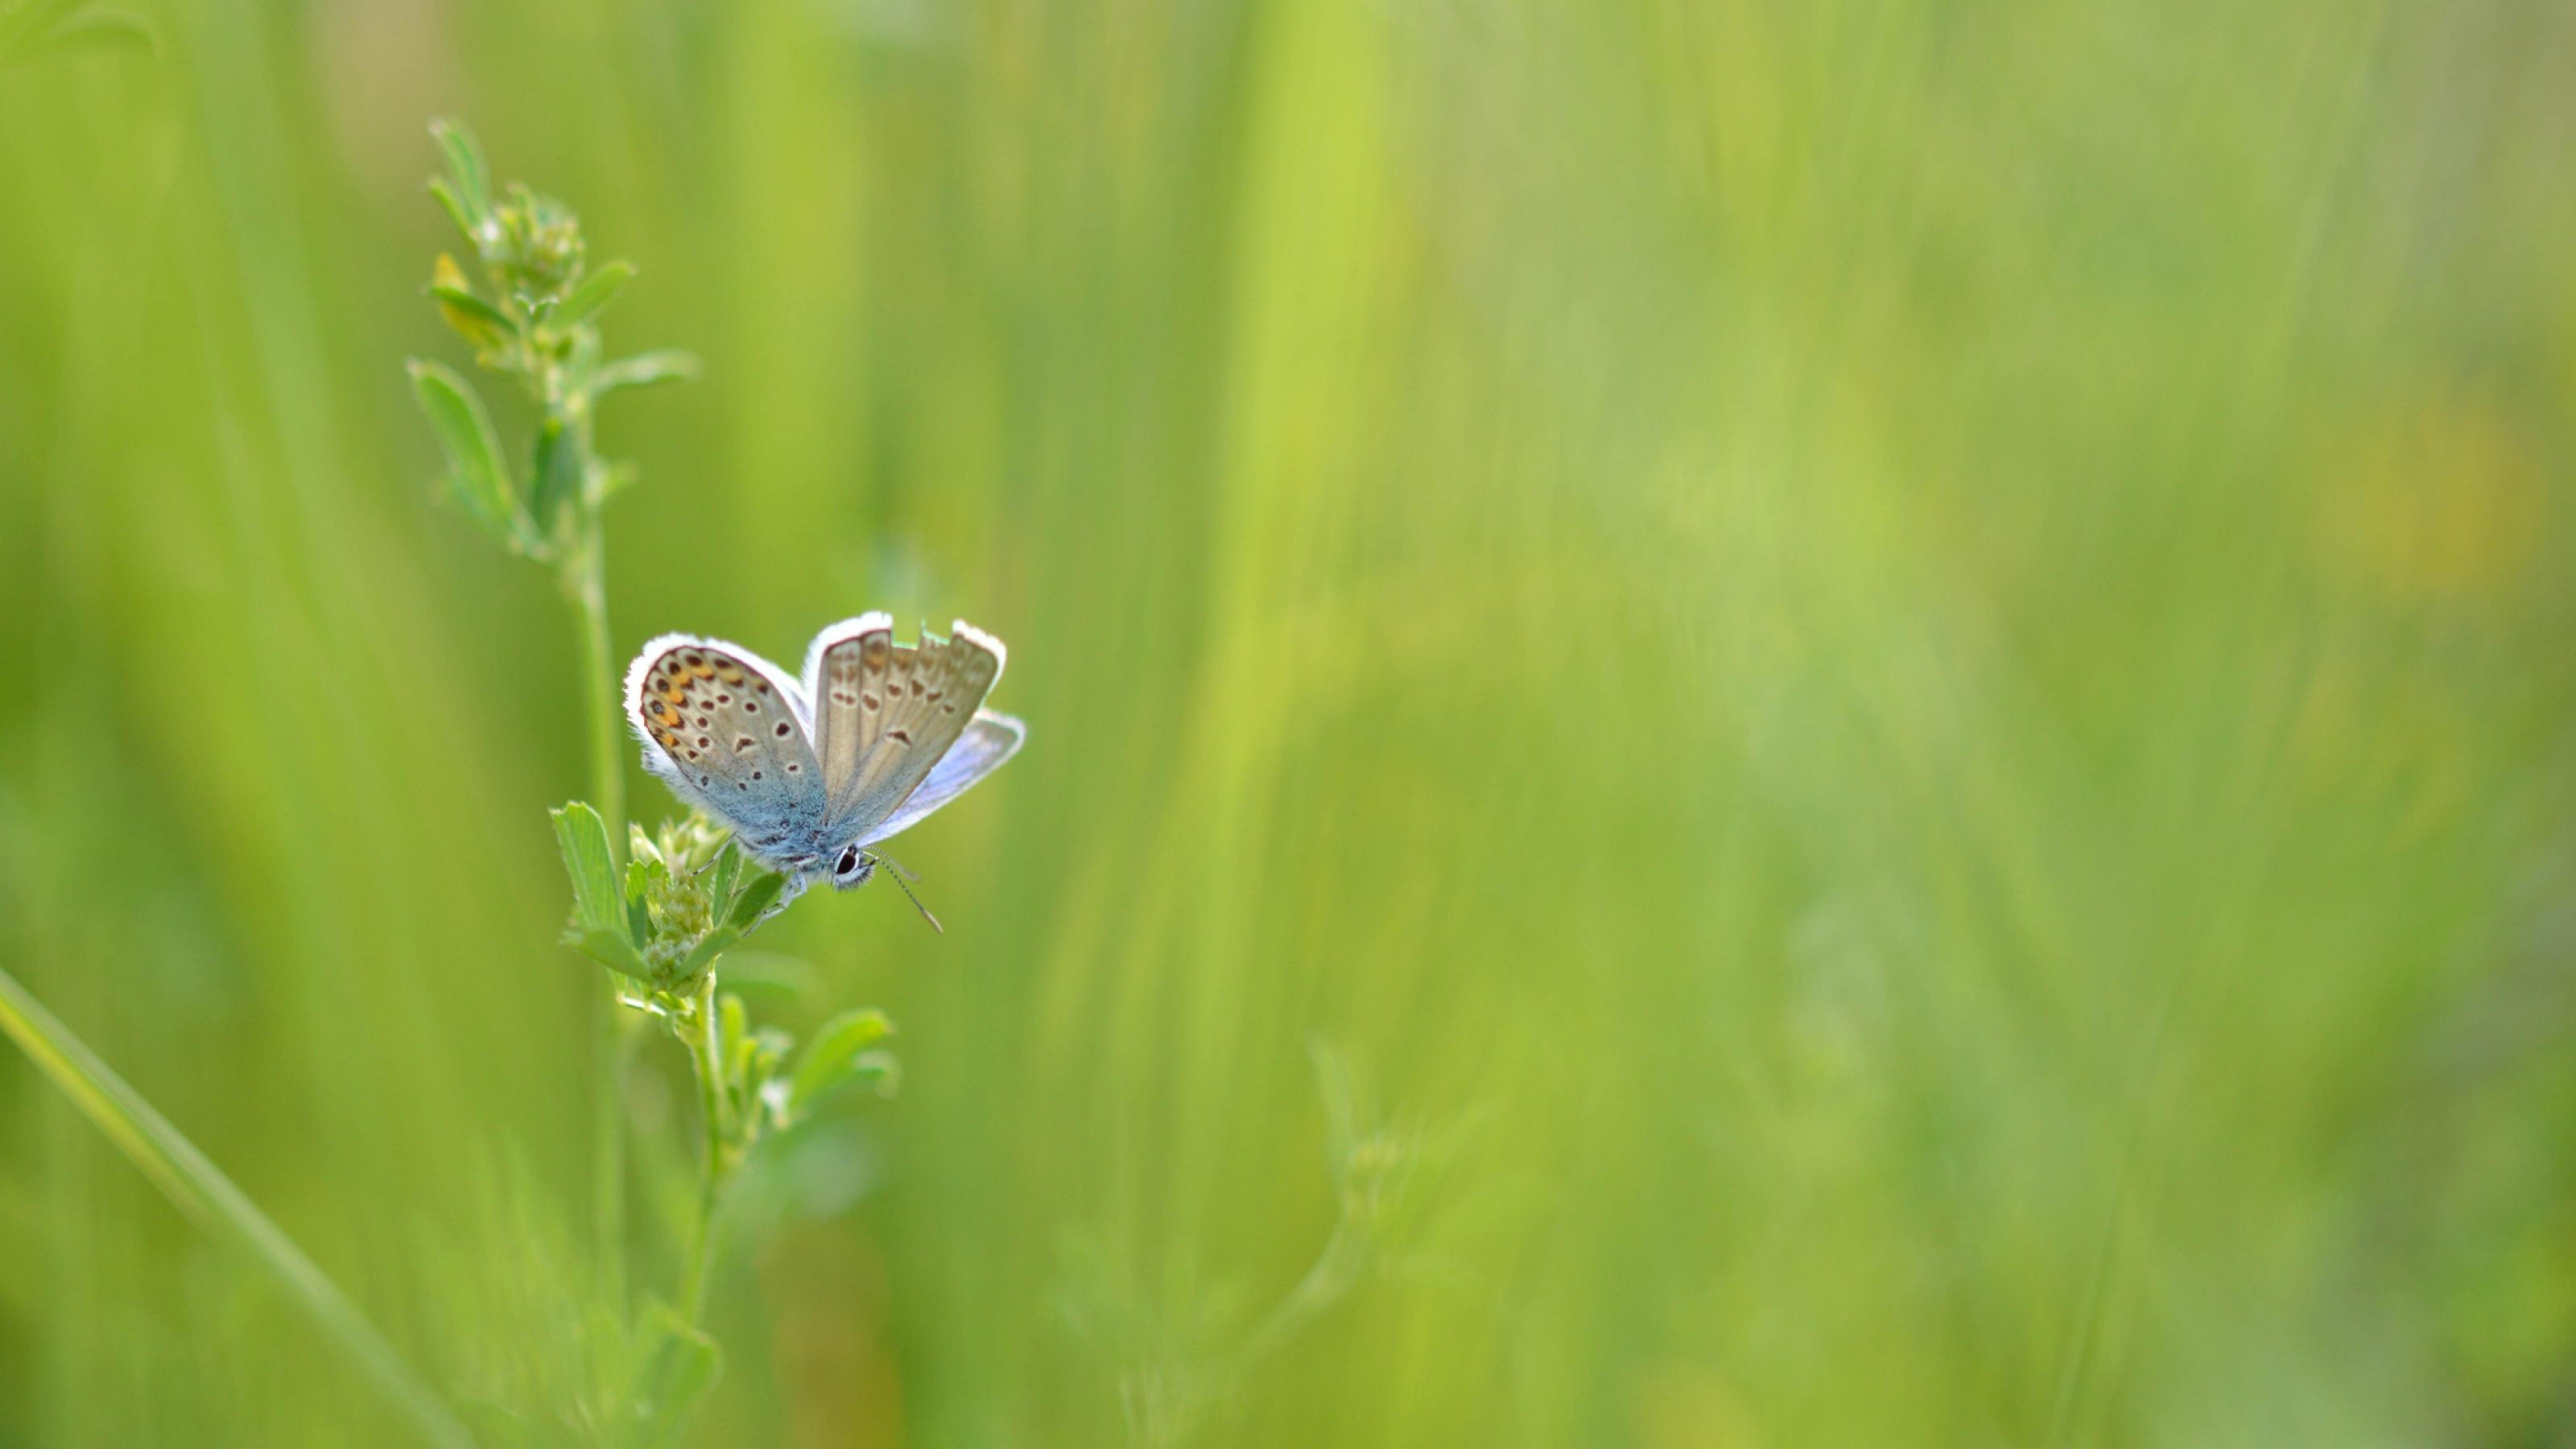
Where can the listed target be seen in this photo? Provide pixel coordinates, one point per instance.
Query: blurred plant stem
(1180, 1369)
(1334, 1273)
(585, 585)
(200, 1189)
(535, 329)
(664, 924)
(657, 911)
(707, 1063)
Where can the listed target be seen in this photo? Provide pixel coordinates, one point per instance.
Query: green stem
(585, 585)
(588, 589)
(706, 1059)
(201, 1190)
(1326, 1282)
(702, 1254)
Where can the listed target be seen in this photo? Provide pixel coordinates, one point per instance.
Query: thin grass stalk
(188, 1178)
(585, 586)
(707, 1058)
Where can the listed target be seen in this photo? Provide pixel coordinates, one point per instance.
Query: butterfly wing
(886, 714)
(727, 731)
(989, 740)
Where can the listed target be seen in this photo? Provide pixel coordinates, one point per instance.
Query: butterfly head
(852, 867)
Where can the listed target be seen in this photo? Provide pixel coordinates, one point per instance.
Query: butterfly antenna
(898, 874)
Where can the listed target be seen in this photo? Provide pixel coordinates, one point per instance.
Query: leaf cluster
(687, 897)
(532, 320)
(682, 901)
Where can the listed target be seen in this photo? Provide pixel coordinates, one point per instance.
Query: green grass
(1893, 678)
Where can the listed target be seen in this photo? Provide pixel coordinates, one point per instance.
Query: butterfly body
(810, 770)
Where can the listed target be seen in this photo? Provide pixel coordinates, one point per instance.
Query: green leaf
(710, 946)
(479, 321)
(596, 291)
(475, 310)
(640, 877)
(833, 1057)
(753, 900)
(557, 473)
(612, 950)
(465, 164)
(583, 838)
(646, 370)
(679, 1365)
(474, 466)
(601, 927)
(455, 209)
(728, 870)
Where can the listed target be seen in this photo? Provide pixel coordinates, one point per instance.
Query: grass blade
(189, 1179)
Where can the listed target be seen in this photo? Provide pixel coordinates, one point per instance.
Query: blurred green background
(1896, 676)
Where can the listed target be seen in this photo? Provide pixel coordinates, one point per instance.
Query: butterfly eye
(848, 862)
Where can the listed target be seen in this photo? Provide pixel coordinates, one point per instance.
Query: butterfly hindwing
(885, 714)
(988, 741)
(727, 731)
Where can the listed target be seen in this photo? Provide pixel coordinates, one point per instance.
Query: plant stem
(585, 585)
(706, 1060)
(702, 1254)
(1327, 1280)
(201, 1190)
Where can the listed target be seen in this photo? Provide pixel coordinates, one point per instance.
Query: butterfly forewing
(725, 729)
(834, 666)
(886, 714)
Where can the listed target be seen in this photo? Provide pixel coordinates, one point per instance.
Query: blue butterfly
(810, 772)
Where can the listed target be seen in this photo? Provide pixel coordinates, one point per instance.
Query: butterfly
(811, 771)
